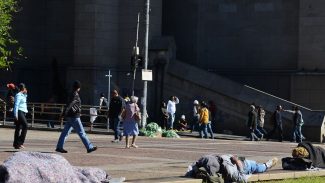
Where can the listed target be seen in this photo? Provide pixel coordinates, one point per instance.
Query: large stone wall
(86, 38)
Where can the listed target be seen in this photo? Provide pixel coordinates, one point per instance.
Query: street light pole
(108, 95)
(135, 54)
(145, 84)
(109, 85)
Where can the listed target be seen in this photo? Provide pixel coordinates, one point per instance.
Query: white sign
(146, 75)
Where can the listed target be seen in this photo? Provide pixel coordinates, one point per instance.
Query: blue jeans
(170, 121)
(195, 123)
(116, 128)
(74, 123)
(251, 167)
(210, 130)
(204, 129)
(297, 135)
(262, 130)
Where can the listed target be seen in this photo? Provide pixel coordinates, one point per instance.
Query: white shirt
(171, 106)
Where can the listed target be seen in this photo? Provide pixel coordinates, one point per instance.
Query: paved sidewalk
(156, 159)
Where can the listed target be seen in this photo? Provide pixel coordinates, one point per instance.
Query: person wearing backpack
(276, 119)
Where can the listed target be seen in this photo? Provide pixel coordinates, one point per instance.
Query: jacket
(204, 115)
(73, 107)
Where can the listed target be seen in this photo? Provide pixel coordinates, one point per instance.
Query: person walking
(251, 124)
(130, 124)
(10, 97)
(276, 118)
(72, 113)
(116, 107)
(20, 111)
(204, 120)
(260, 120)
(164, 115)
(196, 115)
(297, 124)
(171, 110)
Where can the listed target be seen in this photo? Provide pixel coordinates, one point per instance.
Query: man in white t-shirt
(171, 110)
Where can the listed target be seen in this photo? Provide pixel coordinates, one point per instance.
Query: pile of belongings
(305, 157)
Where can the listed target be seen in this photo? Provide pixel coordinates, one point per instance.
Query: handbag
(137, 114)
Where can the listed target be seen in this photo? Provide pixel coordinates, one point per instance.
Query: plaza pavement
(156, 159)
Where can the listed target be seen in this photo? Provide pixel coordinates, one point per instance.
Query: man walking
(277, 119)
(297, 124)
(116, 107)
(252, 124)
(72, 113)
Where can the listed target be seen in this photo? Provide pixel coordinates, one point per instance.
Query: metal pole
(145, 84)
(109, 85)
(135, 54)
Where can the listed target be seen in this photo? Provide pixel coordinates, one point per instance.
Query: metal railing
(48, 115)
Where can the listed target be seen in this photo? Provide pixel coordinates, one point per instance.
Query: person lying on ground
(230, 167)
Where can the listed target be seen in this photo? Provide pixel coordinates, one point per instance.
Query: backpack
(290, 163)
(201, 173)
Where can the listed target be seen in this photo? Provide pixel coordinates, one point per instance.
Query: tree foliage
(9, 47)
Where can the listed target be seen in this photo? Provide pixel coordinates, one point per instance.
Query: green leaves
(9, 48)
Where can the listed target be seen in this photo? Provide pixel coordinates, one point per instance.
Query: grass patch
(299, 180)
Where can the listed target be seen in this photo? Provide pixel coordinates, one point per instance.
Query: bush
(170, 134)
(154, 130)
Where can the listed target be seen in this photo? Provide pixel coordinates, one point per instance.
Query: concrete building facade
(274, 46)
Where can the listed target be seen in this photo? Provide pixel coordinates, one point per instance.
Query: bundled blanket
(35, 167)
(316, 154)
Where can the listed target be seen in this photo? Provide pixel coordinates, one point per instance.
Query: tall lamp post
(109, 85)
(108, 95)
(145, 84)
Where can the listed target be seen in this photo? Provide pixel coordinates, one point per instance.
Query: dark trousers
(20, 129)
(116, 127)
(275, 128)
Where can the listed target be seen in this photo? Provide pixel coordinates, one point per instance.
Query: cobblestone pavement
(156, 158)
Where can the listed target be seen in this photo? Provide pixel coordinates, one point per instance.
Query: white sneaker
(271, 163)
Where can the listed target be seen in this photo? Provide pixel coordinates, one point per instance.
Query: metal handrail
(38, 114)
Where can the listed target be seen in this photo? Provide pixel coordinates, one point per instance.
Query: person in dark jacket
(72, 114)
(116, 107)
(252, 124)
(277, 123)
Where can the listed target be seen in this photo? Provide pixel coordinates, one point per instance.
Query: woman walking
(20, 110)
(130, 124)
(72, 113)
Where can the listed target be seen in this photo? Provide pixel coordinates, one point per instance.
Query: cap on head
(252, 107)
(196, 102)
(102, 95)
(76, 84)
(204, 104)
(11, 86)
(21, 86)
